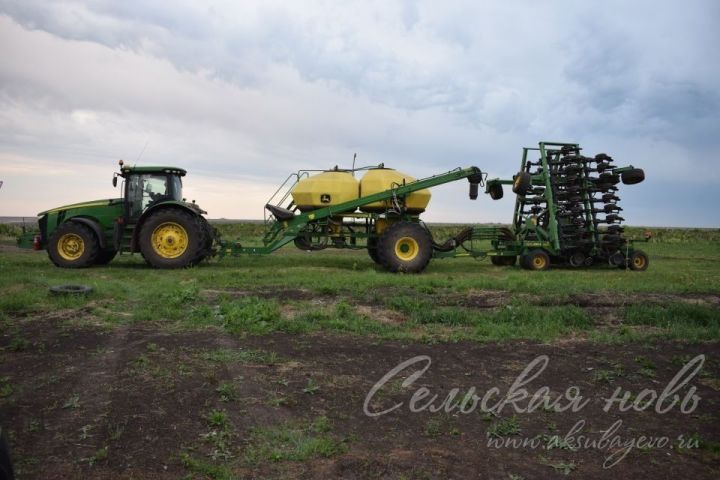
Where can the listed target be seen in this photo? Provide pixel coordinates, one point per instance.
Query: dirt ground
(129, 402)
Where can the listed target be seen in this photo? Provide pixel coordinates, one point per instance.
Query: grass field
(258, 367)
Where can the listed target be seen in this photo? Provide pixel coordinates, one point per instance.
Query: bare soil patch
(129, 402)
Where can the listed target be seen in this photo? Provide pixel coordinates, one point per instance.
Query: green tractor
(151, 218)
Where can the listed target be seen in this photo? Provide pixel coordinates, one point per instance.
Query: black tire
(372, 250)
(405, 247)
(70, 290)
(6, 468)
(302, 244)
(171, 238)
(638, 261)
(501, 261)
(496, 191)
(536, 260)
(577, 259)
(617, 259)
(633, 176)
(73, 245)
(521, 183)
(207, 241)
(105, 256)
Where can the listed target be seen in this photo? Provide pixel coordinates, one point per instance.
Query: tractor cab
(148, 186)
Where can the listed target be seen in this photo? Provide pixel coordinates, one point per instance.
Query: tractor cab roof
(126, 169)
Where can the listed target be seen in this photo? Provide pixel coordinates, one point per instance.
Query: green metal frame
(280, 232)
(548, 238)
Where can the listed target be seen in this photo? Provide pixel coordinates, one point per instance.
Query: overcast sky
(241, 93)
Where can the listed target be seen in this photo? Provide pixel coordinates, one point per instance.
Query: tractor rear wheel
(536, 260)
(73, 245)
(405, 247)
(171, 238)
(207, 241)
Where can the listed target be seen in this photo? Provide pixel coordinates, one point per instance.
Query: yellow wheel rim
(407, 248)
(639, 261)
(169, 240)
(539, 262)
(71, 246)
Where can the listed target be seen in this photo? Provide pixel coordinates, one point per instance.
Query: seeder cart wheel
(405, 247)
(372, 250)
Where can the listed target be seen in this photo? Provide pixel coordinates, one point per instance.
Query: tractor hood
(94, 203)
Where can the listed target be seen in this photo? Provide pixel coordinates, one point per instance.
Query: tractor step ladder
(126, 240)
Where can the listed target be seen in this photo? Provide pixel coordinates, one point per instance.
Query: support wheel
(496, 191)
(633, 176)
(171, 238)
(73, 245)
(503, 261)
(535, 260)
(638, 261)
(521, 183)
(405, 247)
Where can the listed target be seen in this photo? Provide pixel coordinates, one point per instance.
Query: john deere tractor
(151, 218)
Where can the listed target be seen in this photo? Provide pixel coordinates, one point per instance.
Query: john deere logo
(325, 198)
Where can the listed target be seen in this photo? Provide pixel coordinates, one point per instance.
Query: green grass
(247, 296)
(292, 442)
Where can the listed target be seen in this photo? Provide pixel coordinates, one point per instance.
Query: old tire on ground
(171, 238)
(70, 290)
(633, 176)
(521, 183)
(105, 256)
(502, 261)
(638, 261)
(536, 260)
(405, 247)
(73, 245)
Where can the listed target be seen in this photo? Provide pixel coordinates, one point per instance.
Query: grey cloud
(272, 85)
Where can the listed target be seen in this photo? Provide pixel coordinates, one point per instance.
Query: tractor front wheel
(405, 247)
(73, 245)
(171, 238)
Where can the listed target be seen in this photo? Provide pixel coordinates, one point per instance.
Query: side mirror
(114, 181)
